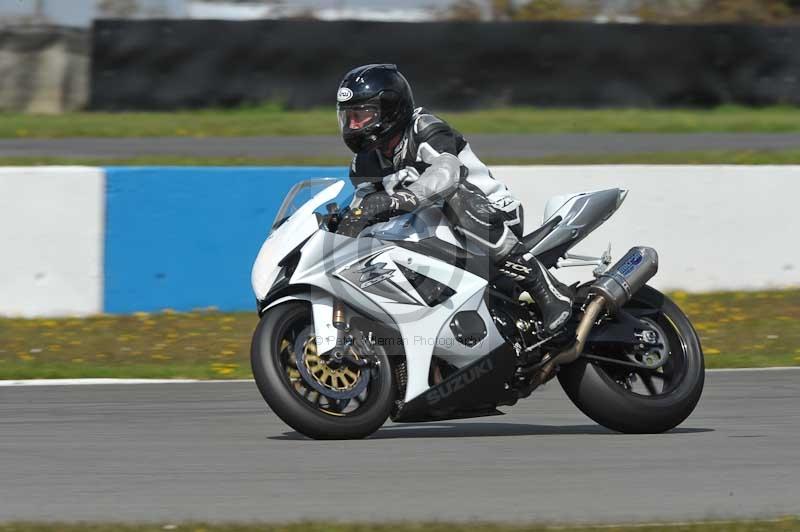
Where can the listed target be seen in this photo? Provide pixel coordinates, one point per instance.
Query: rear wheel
(318, 399)
(637, 400)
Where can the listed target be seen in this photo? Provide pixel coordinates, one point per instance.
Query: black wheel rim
(657, 382)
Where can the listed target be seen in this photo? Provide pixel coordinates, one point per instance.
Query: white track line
(91, 382)
(675, 524)
(734, 370)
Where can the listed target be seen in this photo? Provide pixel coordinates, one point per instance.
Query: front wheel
(635, 400)
(318, 400)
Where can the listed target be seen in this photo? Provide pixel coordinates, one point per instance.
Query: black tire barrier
(190, 64)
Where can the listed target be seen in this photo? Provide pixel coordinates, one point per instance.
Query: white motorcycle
(402, 322)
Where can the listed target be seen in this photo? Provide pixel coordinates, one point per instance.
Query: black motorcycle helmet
(374, 103)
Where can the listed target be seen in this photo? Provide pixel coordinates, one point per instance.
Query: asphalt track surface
(211, 451)
(487, 146)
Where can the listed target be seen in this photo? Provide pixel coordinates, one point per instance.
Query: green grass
(737, 157)
(176, 160)
(781, 525)
(272, 120)
(737, 329)
(202, 345)
(741, 157)
(746, 329)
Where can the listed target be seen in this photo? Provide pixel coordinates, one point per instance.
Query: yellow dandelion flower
(711, 351)
(224, 369)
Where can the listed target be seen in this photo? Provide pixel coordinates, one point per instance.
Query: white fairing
(556, 203)
(332, 265)
(562, 204)
(377, 276)
(283, 240)
(423, 329)
(580, 214)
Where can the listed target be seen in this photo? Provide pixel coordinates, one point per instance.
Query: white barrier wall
(715, 227)
(51, 241)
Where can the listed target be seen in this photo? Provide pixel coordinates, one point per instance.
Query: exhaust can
(618, 284)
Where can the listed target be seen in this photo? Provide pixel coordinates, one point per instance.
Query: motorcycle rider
(406, 157)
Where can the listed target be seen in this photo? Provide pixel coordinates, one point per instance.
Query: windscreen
(299, 195)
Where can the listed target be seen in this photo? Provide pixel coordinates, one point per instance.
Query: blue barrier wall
(186, 238)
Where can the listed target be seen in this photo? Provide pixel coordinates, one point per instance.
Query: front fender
(322, 313)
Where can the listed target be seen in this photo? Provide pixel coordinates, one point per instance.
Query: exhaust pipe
(618, 284)
(611, 291)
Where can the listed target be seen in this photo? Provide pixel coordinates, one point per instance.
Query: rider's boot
(553, 298)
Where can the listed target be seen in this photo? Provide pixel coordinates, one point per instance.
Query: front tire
(599, 391)
(294, 401)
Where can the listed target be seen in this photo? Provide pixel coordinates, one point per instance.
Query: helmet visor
(357, 118)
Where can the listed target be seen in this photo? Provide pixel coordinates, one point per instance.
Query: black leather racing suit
(435, 163)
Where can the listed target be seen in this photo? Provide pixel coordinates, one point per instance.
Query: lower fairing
(474, 390)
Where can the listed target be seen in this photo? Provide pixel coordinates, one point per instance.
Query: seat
(528, 242)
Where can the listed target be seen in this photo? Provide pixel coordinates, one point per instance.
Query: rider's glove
(380, 206)
(375, 208)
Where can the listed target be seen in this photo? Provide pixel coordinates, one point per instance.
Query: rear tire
(590, 385)
(278, 391)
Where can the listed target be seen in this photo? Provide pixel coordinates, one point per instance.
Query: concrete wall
(87, 240)
(715, 227)
(51, 234)
(43, 69)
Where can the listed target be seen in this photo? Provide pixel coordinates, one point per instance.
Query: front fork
(343, 352)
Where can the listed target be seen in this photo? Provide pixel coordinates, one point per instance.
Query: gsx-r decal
(377, 277)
